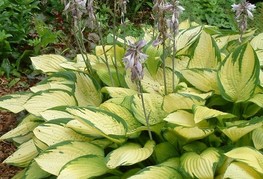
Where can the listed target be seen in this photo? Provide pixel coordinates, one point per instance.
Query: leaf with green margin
(186, 37)
(202, 113)
(238, 75)
(249, 156)
(23, 155)
(201, 166)
(14, 102)
(257, 99)
(124, 113)
(192, 133)
(167, 169)
(129, 154)
(257, 42)
(55, 157)
(153, 61)
(34, 171)
(83, 129)
(210, 59)
(236, 130)
(118, 92)
(48, 63)
(56, 113)
(241, 170)
(60, 80)
(181, 117)
(257, 137)
(56, 132)
(39, 144)
(42, 101)
(109, 49)
(86, 92)
(177, 101)
(83, 167)
(110, 125)
(153, 106)
(202, 79)
(20, 130)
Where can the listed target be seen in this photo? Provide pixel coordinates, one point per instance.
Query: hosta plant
(209, 126)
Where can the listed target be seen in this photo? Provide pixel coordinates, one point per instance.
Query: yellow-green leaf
(237, 170)
(200, 166)
(153, 107)
(48, 99)
(14, 102)
(51, 134)
(55, 157)
(23, 155)
(48, 63)
(239, 74)
(182, 118)
(202, 113)
(34, 171)
(257, 137)
(129, 154)
(247, 155)
(83, 167)
(203, 79)
(118, 92)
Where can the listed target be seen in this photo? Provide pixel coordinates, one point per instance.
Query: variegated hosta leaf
(87, 166)
(248, 155)
(109, 124)
(48, 63)
(236, 130)
(124, 113)
(186, 38)
(177, 101)
(192, 133)
(118, 92)
(56, 113)
(39, 144)
(153, 107)
(52, 133)
(129, 154)
(34, 171)
(257, 137)
(200, 166)
(86, 92)
(14, 102)
(257, 99)
(257, 42)
(169, 80)
(47, 100)
(153, 60)
(180, 63)
(21, 130)
(109, 49)
(61, 80)
(182, 118)
(23, 156)
(210, 59)
(239, 74)
(238, 170)
(160, 172)
(55, 157)
(81, 128)
(203, 79)
(202, 113)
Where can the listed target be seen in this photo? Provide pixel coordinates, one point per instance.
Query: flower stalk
(134, 59)
(243, 11)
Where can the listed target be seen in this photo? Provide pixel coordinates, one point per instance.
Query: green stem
(104, 52)
(144, 109)
(164, 66)
(173, 61)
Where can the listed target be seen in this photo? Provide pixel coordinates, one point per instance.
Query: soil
(9, 121)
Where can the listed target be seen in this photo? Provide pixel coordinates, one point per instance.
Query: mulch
(9, 121)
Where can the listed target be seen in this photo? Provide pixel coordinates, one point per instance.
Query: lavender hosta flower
(134, 58)
(243, 10)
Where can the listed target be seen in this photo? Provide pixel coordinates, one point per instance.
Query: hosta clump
(209, 126)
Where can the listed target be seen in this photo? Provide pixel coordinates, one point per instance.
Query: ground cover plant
(189, 106)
